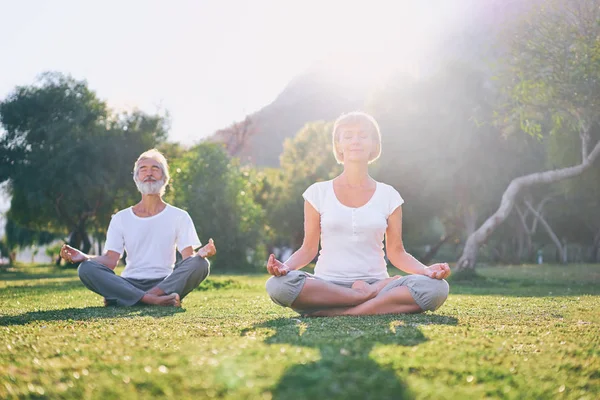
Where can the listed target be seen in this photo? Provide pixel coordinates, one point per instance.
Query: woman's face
(355, 143)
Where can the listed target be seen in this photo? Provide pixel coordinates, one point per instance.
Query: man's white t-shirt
(150, 242)
(352, 238)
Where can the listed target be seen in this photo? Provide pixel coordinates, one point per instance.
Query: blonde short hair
(363, 120)
(157, 156)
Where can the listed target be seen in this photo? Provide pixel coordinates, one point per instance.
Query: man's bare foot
(156, 291)
(169, 300)
(108, 303)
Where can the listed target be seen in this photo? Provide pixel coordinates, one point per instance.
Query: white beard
(150, 187)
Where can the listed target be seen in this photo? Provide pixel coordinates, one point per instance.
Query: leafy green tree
(551, 79)
(218, 194)
(17, 237)
(306, 159)
(67, 158)
(441, 152)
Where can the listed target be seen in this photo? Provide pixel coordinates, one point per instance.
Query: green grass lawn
(516, 332)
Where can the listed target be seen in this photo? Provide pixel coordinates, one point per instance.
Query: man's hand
(69, 254)
(276, 267)
(209, 250)
(438, 271)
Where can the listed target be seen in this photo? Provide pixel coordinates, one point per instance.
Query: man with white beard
(149, 232)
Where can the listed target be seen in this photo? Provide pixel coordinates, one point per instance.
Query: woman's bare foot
(169, 300)
(368, 291)
(379, 285)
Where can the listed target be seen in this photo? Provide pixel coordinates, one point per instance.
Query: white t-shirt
(150, 242)
(352, 238)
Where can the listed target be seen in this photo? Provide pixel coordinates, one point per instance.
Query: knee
(273, 286)
(86, 269)
(280, 288)
(439, 293)
(200, 265)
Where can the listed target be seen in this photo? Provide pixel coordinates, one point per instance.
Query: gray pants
(429, 294)
(186, 276)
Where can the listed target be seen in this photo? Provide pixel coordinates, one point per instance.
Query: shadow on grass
(346, 370)
(89, 314)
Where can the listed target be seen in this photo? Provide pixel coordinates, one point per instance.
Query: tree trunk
(469, 256)
(595, 250)
(436, 247)
(560, 248)
(80, 240)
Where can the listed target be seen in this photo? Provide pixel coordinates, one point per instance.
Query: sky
(208, 63)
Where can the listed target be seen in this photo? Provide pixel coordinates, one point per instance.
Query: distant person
(351, 214)
(150, 231)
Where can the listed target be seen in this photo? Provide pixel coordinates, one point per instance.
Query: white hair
(152, 187)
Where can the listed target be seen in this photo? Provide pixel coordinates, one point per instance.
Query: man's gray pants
(186, 276)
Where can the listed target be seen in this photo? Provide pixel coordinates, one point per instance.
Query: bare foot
(368, 291)
(327, 312)
(156, 291)
(169, 300)
(379, 285)
(109, 303)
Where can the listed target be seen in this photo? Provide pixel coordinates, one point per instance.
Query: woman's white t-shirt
(352, 238)
(150, 242)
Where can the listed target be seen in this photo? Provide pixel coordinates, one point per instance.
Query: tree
(217, 193)
(67, 158)
(306, 159)
(440, 151)
(18, 237)
(552, 83)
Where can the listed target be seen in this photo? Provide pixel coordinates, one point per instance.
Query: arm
(72, 255)
(187, 252)
(400, 258)
(310, 245)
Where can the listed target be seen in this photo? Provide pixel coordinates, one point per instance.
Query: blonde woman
(350, 215)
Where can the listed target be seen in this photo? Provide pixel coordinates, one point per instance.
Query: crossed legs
(312, 296)
(169, 291)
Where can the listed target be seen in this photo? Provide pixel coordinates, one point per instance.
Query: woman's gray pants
(429, 294)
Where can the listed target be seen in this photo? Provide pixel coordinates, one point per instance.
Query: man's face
(150, 178)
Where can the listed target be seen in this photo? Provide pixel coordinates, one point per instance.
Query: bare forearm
(301, 258)
(406, 262)
(104, 260)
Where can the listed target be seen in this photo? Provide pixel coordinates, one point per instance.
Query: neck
(151, 203)
(356, 174)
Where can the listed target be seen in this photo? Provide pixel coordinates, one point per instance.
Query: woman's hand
(438, 271)
(276, 267)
